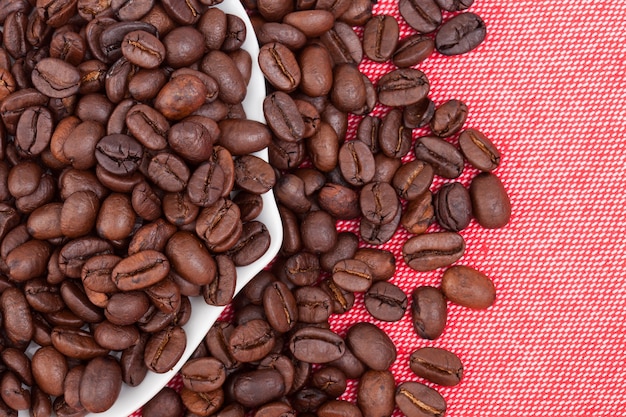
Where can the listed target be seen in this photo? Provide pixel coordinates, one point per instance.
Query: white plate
(203, 316)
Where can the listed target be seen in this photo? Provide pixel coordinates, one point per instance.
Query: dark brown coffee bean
(343, 44)
(221, 290)
(77, 301)
(375, 393)
(114, 337)
(251, 341)
(413, 50)
(55, 78)
(330, 380)
(183, 46)
(251, 245)
(242, 137)
(189, 258)
(345, 248)
(379, 203)
(250, 205)
(446, 160)
(131, 361)
(402, 87)
(143, 49)
(419, 114)
(75, 343)
(168, 171)
(377, 234)
(283, 33)
(453, 207)
(165, 403)
(362, 336)
(352, 275)
(218, 221)
(312, 23)
(460, 34)
(17, 316)
(180, 97)
(491, 205)
(119, 154)
(280, 307)
(127, 308)
(429, 312)
(335, 408)
(283, 117)
(422, 15)
(316, 66)
(433, 250)
(437, 365)
(279, 65)
(356, 162)
(479, 151)
(140, 270)
(314, 304)
(418, 400)
(449, 118)
(381, 262)
(468, 287)
(418, 214)
(148, 126)
(385, 301)
(33, 131)
(323, 148)
(454, 5)
(28, 260)
(49, 370)
(254, 174)
(315, 345)
(348, 92)
(380, 37)
(218, 65)
(101, 384)
(165, 348)
(184, 14)
(17, 362)
(258, 387)
(394, 138)
(318, 232)
(203, 374)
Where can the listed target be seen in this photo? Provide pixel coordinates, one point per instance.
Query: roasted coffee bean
(49, 370)
(203, 374)
(385, 301)
(292, 241)
(250, 205)
(375, 393)
(119, 154)
(78, 303)
(280, 306)
(379, 203)
(418, 400)
(55, 78)
(419, 114)
(386, 168)
(478, 150)
(75, 343)
(101, 384)
(140, 270)
(113, 40)
(318, 232)
(17, 362)
(341, 300)
(258, 387)
(437, 365)
(449, 118)
(307, 399)
(468, 287)
(312, 23)
(394, 138)
(454, 5)
(183, 46)
(343, 44)
(33, 131)
(333, 408)
(419, 214)
(206, 402)
(251, 245)
(302, 268)
(251, 341)
(221, 290)
(381, 262)
(316, 345)
(377, 234)
(430, 251)
(330, 380)
(282, 117)
(345, 248)
(491, 205)
(348, 93)
(148, 126)
(243, 137)
(428, 312)
(380, 37)
(17, 316)
(127, 308)
(446, 160)
(460, 34)
(413, 179)
(28, 260)
(402, 87)
(316, 66)
(453, 207)
(281, 32)
(356, 163)
(143, 49)
(189, 258)
(254, 174)
(352, 275)
(413, 50)
(323, 148)
(166, 403)
(314, 304)
(422, 15)
(280, 67)
(165, 348)
(180, 97)
(111, 336)
(362, 336)
(169, 172)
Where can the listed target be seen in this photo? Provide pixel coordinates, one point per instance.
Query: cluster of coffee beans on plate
(122, 140)
(279, 355)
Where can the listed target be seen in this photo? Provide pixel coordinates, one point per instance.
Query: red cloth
(548, 88)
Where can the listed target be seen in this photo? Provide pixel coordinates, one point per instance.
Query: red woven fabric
(548, 88)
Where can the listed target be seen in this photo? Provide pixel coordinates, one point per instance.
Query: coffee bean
(317, 70)
(315, 345)
(419, 214)
(165, 348)
(312, 23)
(318, 232)
(356, 162)
(279, 66)
(348, 92)
(183, 46)
(413, 50)
(314, 304)
(468, 287)
(433, 250)
(55, 78)
(453, 207)
(254, 388)
(428, 312)
(418, 400)
(361, 336)
(437, 365)
(379, 203)
(375, 393)
(449, 118)
(491, 205)
(413, 179)
(140, 270)
(49, 370)
(101, 384)
(380, 36)
(402, 87)
(460, 34)
(446, 160)
(165, 403)
(251, 341)
(478, 150)
(422, 15)
(352, 275)
(343, 44)
(282, 117)
(385, 301)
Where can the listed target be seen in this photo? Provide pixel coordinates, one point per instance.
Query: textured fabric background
(548, 86)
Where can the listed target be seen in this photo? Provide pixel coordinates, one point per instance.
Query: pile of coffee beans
(279, 355)
(122, 140)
